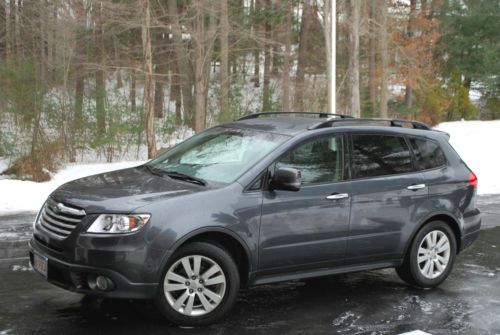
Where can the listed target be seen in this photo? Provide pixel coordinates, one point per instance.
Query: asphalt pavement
(370, 302)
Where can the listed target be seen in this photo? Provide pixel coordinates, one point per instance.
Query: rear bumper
(75, 277)
(472, 226)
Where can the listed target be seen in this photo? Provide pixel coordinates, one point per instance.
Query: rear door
(387, 193)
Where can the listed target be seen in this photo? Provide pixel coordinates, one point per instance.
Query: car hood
(121, 191)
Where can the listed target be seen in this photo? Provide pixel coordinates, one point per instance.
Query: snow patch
(415, 332)
(21, 268)
(21, 195)
(476, 142)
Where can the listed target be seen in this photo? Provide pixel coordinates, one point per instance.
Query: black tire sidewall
(228, 266)
(417, 276)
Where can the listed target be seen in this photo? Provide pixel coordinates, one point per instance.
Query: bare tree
(288, 54)
(182, 58)
(224, 62)
(3, 29)
(305, 25)
(384, 58)
(266, 93)
(78, 64)
(148, 70)
(372, 52)
(257, 45)
(204, 39)
(411, 33)
(354, 13)
(100, 89)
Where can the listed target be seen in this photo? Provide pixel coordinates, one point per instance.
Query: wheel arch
(226, 239)
(446, 217)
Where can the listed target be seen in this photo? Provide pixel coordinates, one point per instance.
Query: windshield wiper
(175, 175)
(154, 170)
(185, 177)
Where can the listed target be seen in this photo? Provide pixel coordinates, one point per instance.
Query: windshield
(219, 154)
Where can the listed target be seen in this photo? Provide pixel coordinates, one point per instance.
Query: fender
(199, 231)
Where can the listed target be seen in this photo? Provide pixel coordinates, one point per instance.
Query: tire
(190, 301)
(435, 265)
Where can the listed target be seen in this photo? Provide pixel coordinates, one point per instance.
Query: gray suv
(268, 198)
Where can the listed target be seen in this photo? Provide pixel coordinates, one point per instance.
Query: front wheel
(199, 285)
(431, 256)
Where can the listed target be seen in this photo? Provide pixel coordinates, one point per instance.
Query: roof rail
(391, 122)
(321, 115)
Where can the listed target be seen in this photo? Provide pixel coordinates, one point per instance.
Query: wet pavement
(375, 302)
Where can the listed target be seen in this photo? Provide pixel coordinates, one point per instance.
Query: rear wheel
(199, 285)
(431, 256)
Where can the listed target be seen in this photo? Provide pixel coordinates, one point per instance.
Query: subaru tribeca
(264, 199)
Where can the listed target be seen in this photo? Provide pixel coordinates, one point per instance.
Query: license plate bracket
(40, 264)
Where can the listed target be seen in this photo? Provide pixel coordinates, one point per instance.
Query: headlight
(117, 223)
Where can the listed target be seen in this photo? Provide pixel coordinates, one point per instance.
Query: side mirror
(286, 179)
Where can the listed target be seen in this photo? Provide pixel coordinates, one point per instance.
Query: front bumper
(75, 277)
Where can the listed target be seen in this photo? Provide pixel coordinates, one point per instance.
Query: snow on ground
(477, 142)
(22, 195)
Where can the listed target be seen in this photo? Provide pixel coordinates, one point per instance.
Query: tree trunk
(100, 93)
(411, 33)
(305, 25)
(203, 49)
(372, 51)
(148, 86)
(354, 105)
(286, 61)
(384, 55)
(225, 114)
(12, 28)
(256, 52)
(3, 30)
(133, 91)
(175, 90)
(78, 62)
(266, 93)
(160, 72)
(181, 55)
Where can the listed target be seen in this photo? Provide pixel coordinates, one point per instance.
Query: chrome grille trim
(59, 219)
(56, 216)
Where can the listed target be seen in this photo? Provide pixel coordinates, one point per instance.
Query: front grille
(60, 219)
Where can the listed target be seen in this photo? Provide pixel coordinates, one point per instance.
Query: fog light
(102, 283)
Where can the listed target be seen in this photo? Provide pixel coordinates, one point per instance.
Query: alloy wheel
(194, 285)
(433, 254)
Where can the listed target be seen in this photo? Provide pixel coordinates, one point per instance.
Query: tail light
(472, 179)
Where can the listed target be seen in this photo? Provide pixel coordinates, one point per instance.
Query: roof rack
(321, 115)
(391, 122)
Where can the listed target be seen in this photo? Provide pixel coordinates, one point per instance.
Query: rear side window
(428, 155)
(380, 155)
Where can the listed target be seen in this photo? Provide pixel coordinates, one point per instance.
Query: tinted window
(379, 155)
(319, 160)
(428, 154)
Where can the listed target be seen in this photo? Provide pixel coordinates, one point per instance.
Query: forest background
(107, 80)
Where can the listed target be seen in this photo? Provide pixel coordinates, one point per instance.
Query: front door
(308, 227)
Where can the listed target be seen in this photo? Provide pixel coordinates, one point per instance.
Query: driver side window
(319, 160)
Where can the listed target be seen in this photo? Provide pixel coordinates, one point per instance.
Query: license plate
(40, 264)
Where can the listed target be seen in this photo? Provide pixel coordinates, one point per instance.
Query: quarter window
(428, 155)
(319, 160)
(379, 155)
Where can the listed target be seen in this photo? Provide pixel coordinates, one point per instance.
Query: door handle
(416, 187)
(337, 196)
